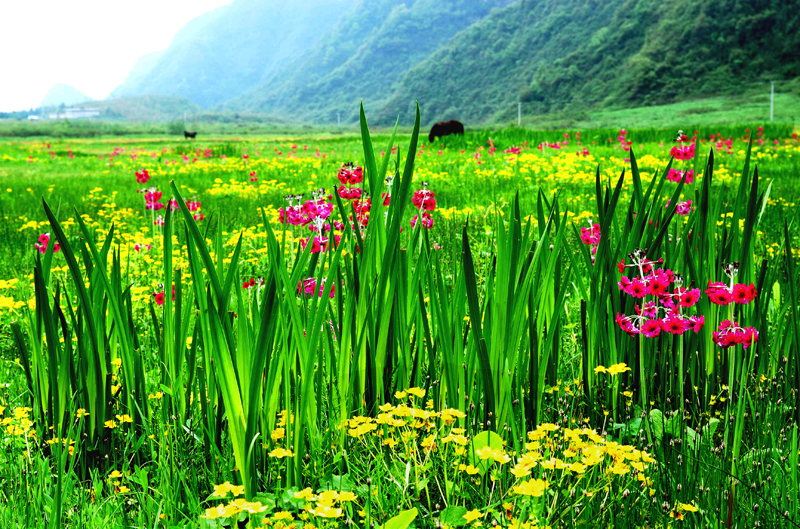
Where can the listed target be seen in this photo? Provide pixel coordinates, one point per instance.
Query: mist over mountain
(63, 94)
(224, 52)
(315, 60)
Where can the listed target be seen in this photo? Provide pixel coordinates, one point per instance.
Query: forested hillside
(654, 52)
(314, 60)
(364, 57)
(489, 66)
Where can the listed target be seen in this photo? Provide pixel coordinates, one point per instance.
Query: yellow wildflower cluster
(19, 424)
(616, 369)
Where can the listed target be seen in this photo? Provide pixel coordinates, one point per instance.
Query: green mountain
(474, 60)
(486, 69)
(661, 52)
(221, 54)
(63, 94)
(363, 57)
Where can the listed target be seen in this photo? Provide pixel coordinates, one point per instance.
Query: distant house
(75, 113)
(33, 118)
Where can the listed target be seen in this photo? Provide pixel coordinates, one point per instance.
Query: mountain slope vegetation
(489, 66)
(472, 60)
(657, 52)
(364, 57)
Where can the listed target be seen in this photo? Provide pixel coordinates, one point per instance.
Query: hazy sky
(89, 44)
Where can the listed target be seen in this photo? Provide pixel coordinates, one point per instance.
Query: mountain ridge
(475, 59)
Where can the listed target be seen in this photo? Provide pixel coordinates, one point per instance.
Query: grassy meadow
(514, 328)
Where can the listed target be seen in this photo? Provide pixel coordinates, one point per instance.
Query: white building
(75, 112)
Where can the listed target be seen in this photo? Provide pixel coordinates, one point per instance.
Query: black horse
(445, 128)
(187, 135)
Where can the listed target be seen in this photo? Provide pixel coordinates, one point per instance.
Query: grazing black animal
(187, 135)
(445, 128)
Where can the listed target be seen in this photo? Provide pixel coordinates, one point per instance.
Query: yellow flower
(215, 512)
(116, 362)
(80, 413)
(428, 442)
(124, 418)
(469, 469)
(278, 433)
(416, 392)
(473, 515)
(305, 494)
(347, 496)
(280, 453)
(600, 369)
(220, 491)
(327, 498)
(616, 369)
(400, 395)
(324, 511)
(115, 474)
(110, 424)
(123, 489)
(488, 452)
(578, 468)
(688, 507)
(282, 515)
(533, 487)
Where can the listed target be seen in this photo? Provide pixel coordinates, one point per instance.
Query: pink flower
(159, 298)
(637, 289)
(697, 323)
(626, 324)
(591, 236)
(427, 220)
(689, 298)
(142, 176)
(674, 325)
(676, 176)
(349, 174)
(658, 285)
(43, 241)
(743, 294)
(424, 199)
(309, 288)
(684, 152)
(651, 328)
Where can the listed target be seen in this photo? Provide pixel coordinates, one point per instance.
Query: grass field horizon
(744, 110)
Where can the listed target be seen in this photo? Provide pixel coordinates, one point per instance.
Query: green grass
(498, 315)
(687, 114)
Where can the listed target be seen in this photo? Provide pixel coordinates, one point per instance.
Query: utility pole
(519, 114)
(771, 99)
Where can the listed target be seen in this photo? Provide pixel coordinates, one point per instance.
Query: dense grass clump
(512, 328)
